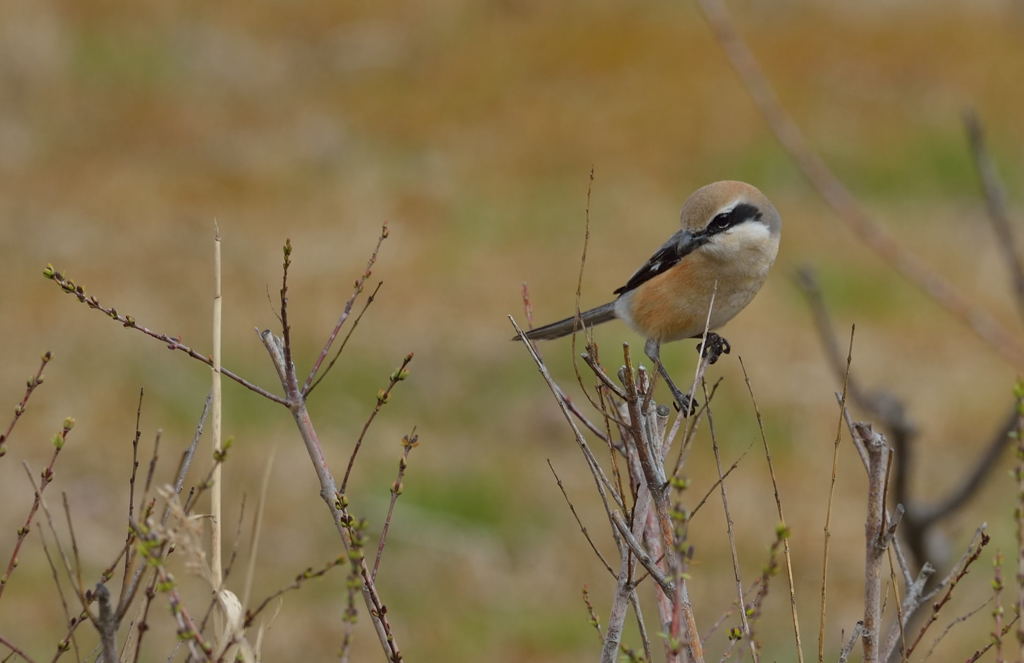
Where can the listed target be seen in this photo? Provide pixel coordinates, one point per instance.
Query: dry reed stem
(839, 198)
(217, 417)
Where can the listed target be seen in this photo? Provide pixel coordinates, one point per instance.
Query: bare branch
(839, 198)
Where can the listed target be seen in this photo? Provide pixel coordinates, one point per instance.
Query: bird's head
(732, 218)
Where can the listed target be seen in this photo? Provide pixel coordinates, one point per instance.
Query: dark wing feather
(678, 246)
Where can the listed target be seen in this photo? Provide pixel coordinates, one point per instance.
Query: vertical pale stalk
(215, 491)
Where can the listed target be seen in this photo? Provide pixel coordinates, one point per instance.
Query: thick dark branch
(973, 480)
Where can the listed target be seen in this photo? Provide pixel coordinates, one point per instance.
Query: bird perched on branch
(724, 249)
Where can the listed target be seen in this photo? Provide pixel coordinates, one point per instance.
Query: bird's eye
(720, 222)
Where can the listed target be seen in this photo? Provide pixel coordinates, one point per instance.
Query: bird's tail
(594, 316)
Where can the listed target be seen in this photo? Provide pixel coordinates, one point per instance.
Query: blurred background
(128, 128)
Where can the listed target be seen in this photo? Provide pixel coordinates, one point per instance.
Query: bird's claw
(714, 346)
(686, 404)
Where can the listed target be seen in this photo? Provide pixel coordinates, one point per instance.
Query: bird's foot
(684, 403)
(714, 347)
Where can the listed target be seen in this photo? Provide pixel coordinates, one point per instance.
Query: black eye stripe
(735, 216)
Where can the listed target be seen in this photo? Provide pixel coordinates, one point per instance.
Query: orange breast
(674, 304)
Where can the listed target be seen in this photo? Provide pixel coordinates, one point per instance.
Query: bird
(726, 244)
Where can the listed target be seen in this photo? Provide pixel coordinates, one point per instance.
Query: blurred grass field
(127, 129)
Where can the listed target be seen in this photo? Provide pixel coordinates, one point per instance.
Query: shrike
(727, 242)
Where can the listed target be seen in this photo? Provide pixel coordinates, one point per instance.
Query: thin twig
(44, 480)
(127, 596)
(959, 620)
(984, 650)
(579, 522)
(823, 604)
(15, 650)
(346, 310)
(997, 611)
(594, 621)
(70, 640)
(782, 516)
(72, 288)
(296, 583)
(383, 396)
(344, 342)
(725, 475)
(730, 531)
(972, 554)
(409, 442)
(19, 409)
